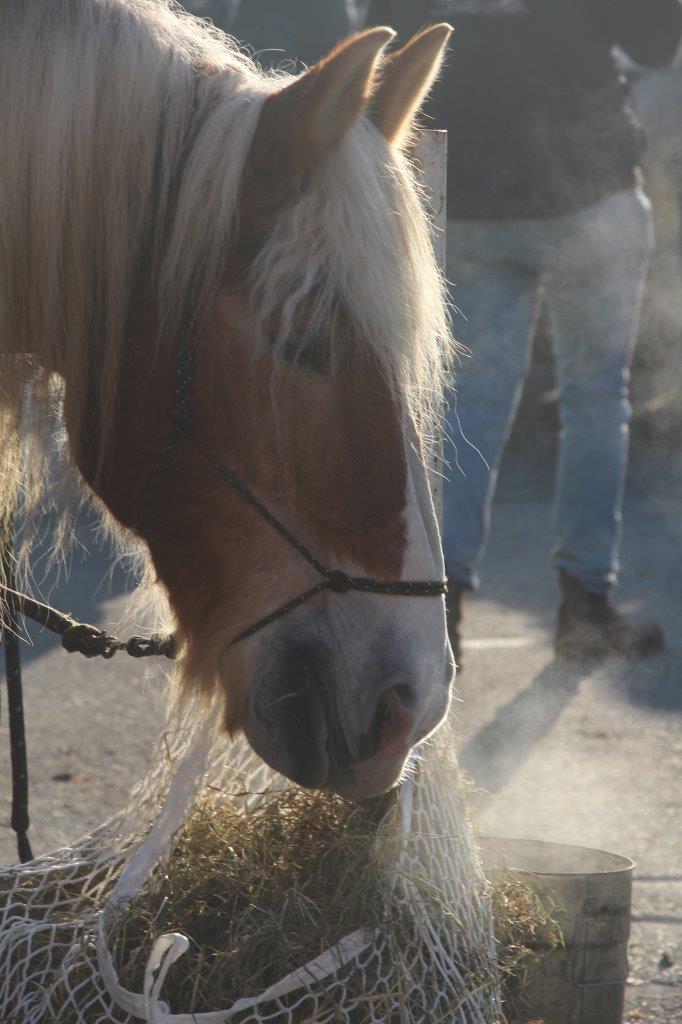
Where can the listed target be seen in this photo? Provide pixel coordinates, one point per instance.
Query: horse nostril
(394, 720)
(407, 695)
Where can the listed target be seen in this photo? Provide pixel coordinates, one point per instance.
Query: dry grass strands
(262, 892)
(259, 894)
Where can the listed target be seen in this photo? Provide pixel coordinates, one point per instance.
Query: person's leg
(496, 291)
(594, 293)
(597, 269)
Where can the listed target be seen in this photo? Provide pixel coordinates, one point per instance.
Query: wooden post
(432, 158)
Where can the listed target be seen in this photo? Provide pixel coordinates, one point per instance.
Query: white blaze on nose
(423, 553)
(422, 619)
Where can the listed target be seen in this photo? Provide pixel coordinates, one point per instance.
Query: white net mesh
(56, 912)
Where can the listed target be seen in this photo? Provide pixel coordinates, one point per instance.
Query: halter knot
(339, 582)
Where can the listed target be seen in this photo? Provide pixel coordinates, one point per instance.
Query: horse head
(314, 362)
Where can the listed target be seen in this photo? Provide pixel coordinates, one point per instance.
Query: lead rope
(77, 637)
(15, 713)
(81, 637)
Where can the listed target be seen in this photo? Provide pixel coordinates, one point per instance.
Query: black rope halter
(334, 580)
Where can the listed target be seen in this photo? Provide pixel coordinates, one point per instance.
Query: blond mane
(125, 128)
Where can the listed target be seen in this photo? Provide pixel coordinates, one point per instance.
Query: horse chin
(372, 778)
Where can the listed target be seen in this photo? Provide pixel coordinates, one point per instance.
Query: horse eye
(309, 354)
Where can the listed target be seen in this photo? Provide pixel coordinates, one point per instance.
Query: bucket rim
(625, 865)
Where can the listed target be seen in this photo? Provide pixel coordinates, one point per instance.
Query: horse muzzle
(349, 736)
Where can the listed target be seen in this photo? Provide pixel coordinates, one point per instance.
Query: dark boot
(453, 613)
(589, 628)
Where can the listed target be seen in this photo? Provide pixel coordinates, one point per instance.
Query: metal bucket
(590, 892)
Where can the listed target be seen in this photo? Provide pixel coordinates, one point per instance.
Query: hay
(262, 891)
(258, 893)
(263, 874)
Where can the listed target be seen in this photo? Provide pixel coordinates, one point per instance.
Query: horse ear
(405, 81)
(302, 123)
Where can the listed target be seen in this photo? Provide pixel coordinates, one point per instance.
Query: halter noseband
(335, 580)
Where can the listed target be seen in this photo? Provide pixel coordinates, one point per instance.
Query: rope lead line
(15, 712)
(81, 637)
(76, 637)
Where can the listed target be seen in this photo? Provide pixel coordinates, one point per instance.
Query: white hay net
(56, 912)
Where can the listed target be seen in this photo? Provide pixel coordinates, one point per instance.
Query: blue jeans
(591, 268)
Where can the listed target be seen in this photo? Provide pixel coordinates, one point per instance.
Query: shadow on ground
(495, 753)
(654, 685)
